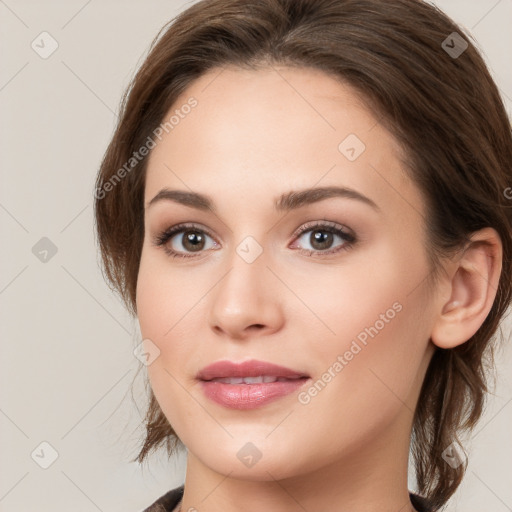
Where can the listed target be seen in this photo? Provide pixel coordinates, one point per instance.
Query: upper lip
(252, 368)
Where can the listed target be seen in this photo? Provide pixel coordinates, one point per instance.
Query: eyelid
(323, 223)
(166, 234)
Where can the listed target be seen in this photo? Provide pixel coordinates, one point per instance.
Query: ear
(472, 288)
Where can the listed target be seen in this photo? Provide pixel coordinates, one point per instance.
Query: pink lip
(248, 396)
(252, 368)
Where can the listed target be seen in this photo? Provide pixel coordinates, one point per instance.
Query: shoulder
(167, 502)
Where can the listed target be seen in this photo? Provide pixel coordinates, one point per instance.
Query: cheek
(171, 312)
(163, 296)
(163, 300)
(363, 302)
(151, 301)
(378, 317)
(367, 375)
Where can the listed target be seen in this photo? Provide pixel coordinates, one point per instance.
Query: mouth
(260, 379)
(250, 384)
(248, 372)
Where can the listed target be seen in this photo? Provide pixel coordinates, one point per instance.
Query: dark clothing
(168, 501)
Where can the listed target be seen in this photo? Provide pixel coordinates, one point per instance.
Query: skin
(253, 136)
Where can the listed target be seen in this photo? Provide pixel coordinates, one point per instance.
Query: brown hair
(442, 106)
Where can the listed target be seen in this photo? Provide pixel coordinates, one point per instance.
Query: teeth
(250, 380)
(257, 380)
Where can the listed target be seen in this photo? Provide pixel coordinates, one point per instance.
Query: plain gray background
(67, 362)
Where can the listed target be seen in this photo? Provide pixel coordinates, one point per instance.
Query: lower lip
(249, 396)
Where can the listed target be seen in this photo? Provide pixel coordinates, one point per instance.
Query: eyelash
(330, 227)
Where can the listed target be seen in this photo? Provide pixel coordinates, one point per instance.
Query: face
(330, 284)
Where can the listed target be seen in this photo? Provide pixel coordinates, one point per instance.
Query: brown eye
(322, 237)
(184, 240)
(193, 240)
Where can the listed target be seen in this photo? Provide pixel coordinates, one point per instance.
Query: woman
(305, 205)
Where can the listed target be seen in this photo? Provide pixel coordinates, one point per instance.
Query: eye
(183, 240)
(322, 236)
(190, 239)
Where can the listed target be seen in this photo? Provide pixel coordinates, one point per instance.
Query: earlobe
(472, 290)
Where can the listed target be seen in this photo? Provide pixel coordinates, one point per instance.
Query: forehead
(274, 129)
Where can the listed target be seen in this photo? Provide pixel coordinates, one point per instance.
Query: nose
(246, 301)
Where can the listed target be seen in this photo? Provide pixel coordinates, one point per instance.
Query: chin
(250, 461)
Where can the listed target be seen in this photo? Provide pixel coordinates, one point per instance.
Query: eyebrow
(286, 202)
